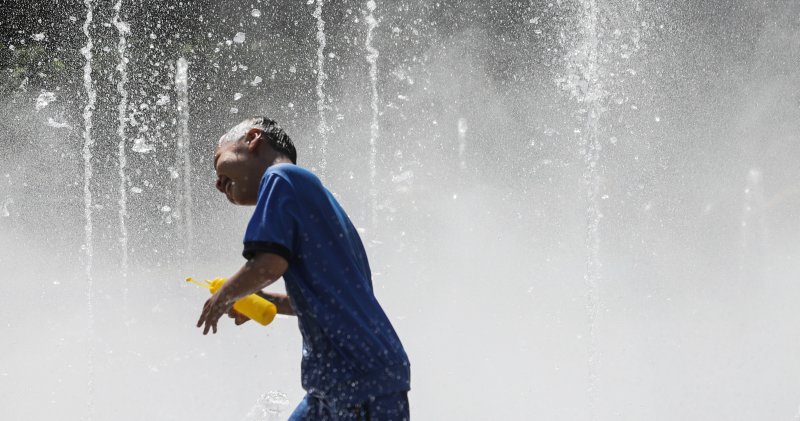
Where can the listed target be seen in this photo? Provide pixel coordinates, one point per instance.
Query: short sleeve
(273, 226)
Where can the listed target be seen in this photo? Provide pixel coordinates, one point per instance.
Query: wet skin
(239, 166)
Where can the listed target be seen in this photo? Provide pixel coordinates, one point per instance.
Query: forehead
(237, 132)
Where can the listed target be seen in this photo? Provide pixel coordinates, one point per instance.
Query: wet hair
(274, 134)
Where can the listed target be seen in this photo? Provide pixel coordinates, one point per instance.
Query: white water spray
(184, 159)
(374, 129)
(88, 143)
(322, 126)
(122, 68)
(583, 80)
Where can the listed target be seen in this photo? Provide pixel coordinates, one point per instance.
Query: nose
(221, 183)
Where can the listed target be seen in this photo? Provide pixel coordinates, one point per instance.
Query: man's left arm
(259, 272)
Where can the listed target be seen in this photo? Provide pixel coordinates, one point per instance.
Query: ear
(253, 139)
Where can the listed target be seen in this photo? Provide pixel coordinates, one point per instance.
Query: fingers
(211, 321)
(238, 318)
(203, 314)
(210, 325)
(210, 316)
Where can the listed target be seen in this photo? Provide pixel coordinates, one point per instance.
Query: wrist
(227, 295)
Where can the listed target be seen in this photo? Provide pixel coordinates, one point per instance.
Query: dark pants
(393, 407)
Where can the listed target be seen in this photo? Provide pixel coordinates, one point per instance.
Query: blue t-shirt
(350, 350)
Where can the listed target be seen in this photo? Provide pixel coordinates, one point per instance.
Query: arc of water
(88, 144)
(184, 151)
(322, 127)
(374, 131)
(593, 97)
(122, 68)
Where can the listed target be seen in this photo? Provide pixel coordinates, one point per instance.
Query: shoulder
(292, 179)
(292, 173)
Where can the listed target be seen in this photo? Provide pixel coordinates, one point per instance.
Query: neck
(280, 159)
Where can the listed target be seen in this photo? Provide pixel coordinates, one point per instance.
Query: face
(238, 176)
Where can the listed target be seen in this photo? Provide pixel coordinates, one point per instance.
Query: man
(354, 366)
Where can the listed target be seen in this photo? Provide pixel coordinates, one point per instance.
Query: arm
(258, 273)
(281, 301)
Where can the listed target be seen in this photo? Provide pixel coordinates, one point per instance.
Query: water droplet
(141, 146)
(4, 212)
(57, 125)
(255, 13)
(44, 99)
(239, 38)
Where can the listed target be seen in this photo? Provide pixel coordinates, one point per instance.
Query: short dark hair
(276, 137)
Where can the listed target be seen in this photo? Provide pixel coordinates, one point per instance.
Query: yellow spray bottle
(252, 306)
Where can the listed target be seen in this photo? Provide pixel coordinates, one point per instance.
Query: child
(354, 366)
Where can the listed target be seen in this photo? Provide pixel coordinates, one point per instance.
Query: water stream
(123, 29)
(184, 157)
(322, 125)
(374, 128)
(88, 144)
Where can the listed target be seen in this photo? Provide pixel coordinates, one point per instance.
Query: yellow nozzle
(212, 285)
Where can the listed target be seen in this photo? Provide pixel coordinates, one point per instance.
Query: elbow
(268, 267)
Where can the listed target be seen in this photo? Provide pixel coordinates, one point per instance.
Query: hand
(213, 309)
(237, 317)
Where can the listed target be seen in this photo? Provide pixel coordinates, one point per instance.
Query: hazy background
(491, 115)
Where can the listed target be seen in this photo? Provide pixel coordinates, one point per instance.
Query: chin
(244, 201)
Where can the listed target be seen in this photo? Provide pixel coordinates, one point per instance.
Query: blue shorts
(393, 407)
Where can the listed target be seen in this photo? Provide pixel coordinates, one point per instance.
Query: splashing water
(88, 143)
(322, 126)
(374, 128)
(184, 159)
(269, 407)
(122, 68)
